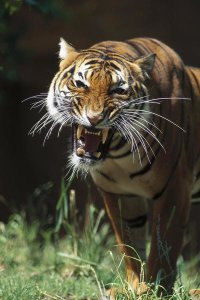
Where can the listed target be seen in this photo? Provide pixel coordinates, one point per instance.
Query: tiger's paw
(195, 294)
(126, 293)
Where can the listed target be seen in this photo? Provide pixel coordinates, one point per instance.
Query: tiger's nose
(94, 119)
(94, 116)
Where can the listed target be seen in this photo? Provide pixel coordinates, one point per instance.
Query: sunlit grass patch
(31, 273)
(69, 268)
(83, 264)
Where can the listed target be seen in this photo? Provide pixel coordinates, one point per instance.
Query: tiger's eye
(80, 84)
(118, 91)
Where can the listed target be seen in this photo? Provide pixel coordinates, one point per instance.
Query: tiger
(134, 112)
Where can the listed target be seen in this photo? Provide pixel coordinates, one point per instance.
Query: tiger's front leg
(128, 216)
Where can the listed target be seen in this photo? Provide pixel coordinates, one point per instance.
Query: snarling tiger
(134, 110)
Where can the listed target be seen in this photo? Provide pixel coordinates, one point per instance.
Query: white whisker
(138, 116)
(154, 100)
(129, 137)
(41, 95)
(140, 138)
(133, 100)
(146, 129)
(158, 115)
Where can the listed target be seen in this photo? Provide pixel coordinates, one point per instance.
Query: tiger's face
(90, 92)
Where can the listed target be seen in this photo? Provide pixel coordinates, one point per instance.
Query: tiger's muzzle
(90, 142)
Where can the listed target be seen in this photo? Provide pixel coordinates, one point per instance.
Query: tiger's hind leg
(191, 246)
(170, 217)
(128, 216)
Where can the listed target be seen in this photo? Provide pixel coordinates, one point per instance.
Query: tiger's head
(90, 92)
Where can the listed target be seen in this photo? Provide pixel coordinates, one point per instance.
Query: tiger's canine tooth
(79, 131)
(97, 154)
(104, 134)
(80, 151)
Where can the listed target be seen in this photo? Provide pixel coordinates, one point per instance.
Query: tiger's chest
(129, 171)
(122, 176)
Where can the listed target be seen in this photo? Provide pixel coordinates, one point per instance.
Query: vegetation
(37, 263)
(69, 268)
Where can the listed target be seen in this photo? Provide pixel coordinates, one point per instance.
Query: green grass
(69, 268)
(80, 265)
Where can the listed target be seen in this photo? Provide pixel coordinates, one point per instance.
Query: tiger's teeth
(97, 154)
(79, 131)
(104, 134)
(80, 151)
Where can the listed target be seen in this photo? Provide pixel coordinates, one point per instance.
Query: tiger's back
(179, 84)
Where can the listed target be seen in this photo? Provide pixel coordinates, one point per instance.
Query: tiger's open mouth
(91, 143)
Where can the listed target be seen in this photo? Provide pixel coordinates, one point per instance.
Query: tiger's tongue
(91, 142)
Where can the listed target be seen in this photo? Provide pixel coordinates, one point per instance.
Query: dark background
(29, 37)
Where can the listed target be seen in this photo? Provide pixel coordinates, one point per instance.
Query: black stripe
(77, 107)
(183, 115)
(156, 196)
(188, 141)
(183, 76)
(80, 74)
(88, 51)
(56, 80)
(71, 70)
(153, 139)
(145, 49)
(93, 61)
(64, 75)
(142, 51)
(105, 176)
(120, 195)
(140, 145)
(114, 66)
(90, 68)
(86, 58)
(162, 133)
(162, 64)
(163, 48)
(61, 79)
(66, 71)
(148, 167)
(190, 86)
(135, 46)
(121, 143)
(137, 222)
(120, 155)
(153, 157)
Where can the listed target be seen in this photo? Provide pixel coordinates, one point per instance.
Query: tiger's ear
(146, 63)
(67, 53)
